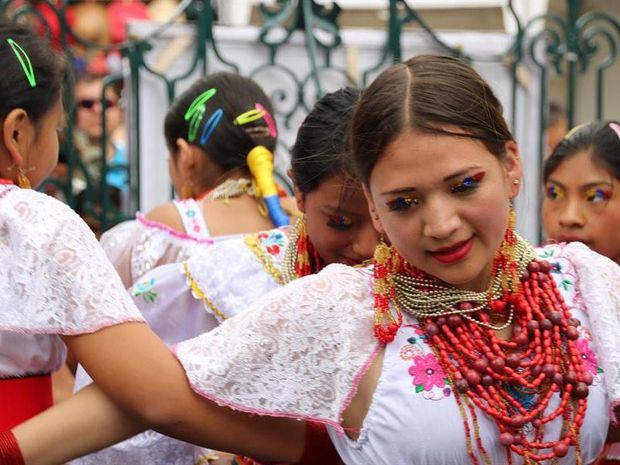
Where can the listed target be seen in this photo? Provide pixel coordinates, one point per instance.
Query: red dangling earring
(386, 324)
(506, 259)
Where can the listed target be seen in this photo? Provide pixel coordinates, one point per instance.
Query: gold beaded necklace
(423, 297)
(232, 188)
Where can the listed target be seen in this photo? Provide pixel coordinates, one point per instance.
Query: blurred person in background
(582, 182)
(557, 126)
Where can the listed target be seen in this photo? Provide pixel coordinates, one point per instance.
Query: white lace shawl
(54, 276)
(311, 342)
(599, 284)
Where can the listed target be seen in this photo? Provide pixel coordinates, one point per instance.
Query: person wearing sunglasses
(88, 134)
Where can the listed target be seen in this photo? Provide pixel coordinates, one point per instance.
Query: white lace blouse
(183, 300)
(54, 279)
(311, 342)
(137, 246)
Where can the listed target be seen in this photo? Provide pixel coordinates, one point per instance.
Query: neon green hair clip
(24, 60)
(196, 111)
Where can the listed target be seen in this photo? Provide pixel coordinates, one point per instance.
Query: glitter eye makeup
(401, 203)
(554, 192)
(339, 221)
(467, 184)
(597, 194)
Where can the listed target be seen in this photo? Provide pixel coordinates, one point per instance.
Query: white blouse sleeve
(227, 277)
(55, 278)
(165, 299)
(310, 341)
(136, 247)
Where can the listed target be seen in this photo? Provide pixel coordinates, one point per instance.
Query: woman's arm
(87, 422)
(139, 374)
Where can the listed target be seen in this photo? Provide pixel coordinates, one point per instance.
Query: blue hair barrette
(210, 125)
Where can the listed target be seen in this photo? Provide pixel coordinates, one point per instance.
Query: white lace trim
(310, 341)
(55, 277)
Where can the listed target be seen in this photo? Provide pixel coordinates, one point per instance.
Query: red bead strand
(541, 357)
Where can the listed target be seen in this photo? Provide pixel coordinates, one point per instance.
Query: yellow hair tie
(260, 162)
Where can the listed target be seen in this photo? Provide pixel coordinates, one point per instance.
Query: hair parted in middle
(431, 94)
(601, 139)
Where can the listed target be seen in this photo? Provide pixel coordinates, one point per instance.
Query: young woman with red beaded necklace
(466, 347)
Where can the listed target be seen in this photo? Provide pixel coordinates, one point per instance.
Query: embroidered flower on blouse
(427, 373)
(145, 290)
(274, 242)
(428, 376)
(588, 356)
(410, 351)
(562, 269)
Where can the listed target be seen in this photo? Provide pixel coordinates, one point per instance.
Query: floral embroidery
(589, 357)
(428, 376)
(524, 396)
(410, 351)
(145, 290)
(427, 372)
(269, 247)
(562, 269)
(193, 222)
(273, 241)
(191, 214)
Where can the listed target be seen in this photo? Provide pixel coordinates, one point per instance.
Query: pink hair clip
(615, 127)
(271, 125)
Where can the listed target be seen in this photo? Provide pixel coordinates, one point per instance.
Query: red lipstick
(452, 253)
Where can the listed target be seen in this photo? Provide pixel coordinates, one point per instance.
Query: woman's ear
(300, 198)
(374, 216)
(513, 168)
(16, 134)
(187, 157)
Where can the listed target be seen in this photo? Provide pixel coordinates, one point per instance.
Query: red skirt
(23, 398)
